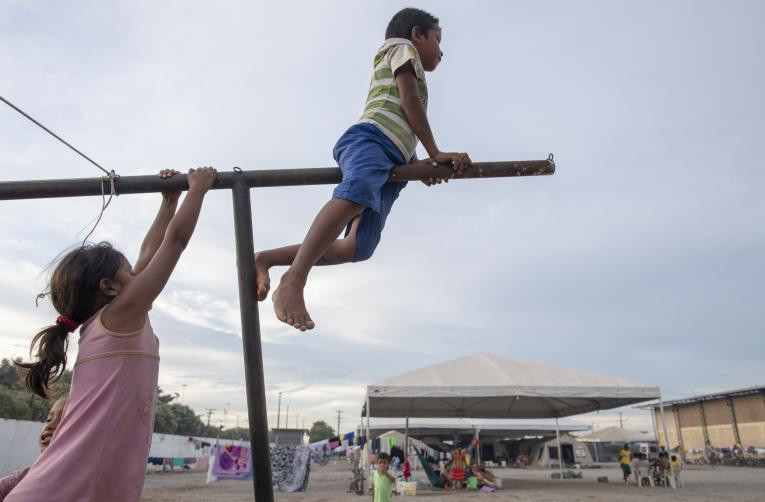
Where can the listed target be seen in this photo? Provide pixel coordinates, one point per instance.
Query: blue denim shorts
(366, 156)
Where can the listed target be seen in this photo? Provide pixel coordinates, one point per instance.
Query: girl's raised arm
(157, 230)
(127, 311)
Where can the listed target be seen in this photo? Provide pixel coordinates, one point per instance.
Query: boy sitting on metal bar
(393, 121)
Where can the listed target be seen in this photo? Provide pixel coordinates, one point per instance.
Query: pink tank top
(100, 449)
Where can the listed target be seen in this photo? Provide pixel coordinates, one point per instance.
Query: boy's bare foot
(262, 279)
(289, 304)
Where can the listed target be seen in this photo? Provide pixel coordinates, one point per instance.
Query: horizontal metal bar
(76, 187)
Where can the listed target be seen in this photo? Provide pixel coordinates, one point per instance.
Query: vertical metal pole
(368, 445)
(676, 412)
(655, 429)
(664, 424)
(253, 353)
(560, 452)
(478, 447)
(707, 442)
(734, 422)
(406, 440)
(278, 419)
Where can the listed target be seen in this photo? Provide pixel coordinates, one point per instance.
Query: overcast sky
(641, 258)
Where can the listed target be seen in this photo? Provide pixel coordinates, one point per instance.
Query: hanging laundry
(232, 462)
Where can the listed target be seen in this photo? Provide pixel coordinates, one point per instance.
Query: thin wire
(110, 175)
(54, 135)
(104, 203)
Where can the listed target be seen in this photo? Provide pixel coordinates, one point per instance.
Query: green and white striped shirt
(383, 107)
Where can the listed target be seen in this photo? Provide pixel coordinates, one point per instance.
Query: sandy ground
(329, 483)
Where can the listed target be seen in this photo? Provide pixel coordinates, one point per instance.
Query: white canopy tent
(618, 435)
(488, 386)
(447, 428)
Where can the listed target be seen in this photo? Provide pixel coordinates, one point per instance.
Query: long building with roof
(719, 420)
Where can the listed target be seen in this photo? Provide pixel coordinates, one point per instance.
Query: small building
(719, 420)
(288, 437)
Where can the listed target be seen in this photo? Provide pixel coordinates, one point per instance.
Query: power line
(339, 413)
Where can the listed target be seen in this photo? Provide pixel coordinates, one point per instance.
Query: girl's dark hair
(402, 23)
(75, 292)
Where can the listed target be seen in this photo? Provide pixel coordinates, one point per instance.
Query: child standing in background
(101, 446)
(383, 481)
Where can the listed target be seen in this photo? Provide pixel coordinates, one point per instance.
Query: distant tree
(13, 405)
(164, 420)
(320, 430)
(188, 423)
(9, 376)
(16, 402)
(163, 398)
(236, 433)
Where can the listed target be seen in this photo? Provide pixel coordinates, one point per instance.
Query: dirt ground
(330, 483)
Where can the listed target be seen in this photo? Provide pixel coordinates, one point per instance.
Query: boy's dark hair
(75, 292)
(383, 456)
(401, 24)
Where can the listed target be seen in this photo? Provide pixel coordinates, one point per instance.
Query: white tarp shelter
(544, 452)
(618, 435)
(487, 386)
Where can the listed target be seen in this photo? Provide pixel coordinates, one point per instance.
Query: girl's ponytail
(75, 290)
(52, 343)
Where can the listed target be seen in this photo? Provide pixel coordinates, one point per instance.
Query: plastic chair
(644, 474)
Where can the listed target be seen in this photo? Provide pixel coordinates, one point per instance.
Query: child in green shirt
(382, 481)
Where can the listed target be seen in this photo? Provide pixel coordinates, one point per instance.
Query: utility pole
(621, 422)
(296, 420)
(183, 390)
(279, 411)
(339, 413)
(209, 414)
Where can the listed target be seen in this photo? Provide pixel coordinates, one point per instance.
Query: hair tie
(67, 323)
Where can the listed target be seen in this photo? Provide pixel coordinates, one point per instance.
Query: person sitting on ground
(382, 481)
(624, 462)
(485, 478)
(393, 122)
(8, 482)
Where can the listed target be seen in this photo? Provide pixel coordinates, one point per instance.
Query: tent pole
(478, 447)
(406, 439)
(664, 423)
(369, 446)
(560, 452)
(655, 428)
(664, 426)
